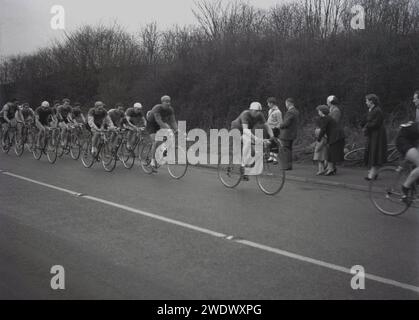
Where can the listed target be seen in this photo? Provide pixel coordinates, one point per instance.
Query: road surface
(128, 235)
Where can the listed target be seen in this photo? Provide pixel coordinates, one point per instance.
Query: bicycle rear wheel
(230, 174)
(5, 142)
(272, 179)
(145, 158)
(385, 191)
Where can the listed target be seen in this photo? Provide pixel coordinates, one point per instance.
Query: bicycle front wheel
(356, 155)
(75, 148)
(272, 179)
(126, 156)
(386, 193)
(19, 145)
(177, 169)
(145, 158)
(87, 158)
(51, 151)
(108, 158)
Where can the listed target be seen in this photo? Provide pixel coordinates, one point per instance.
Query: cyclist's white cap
(331, 99)
(45, 104)
(165, 98)
(138, 105)
(255, 106)
(99, 104)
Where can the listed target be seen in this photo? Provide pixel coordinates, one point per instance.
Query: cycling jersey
(166, 114)
(44, 115)
(408, 137)
(26, 113)
(246, 117)
(98, 117)
(117, 116)
(11, 111)
(136, 116)
(63, 111)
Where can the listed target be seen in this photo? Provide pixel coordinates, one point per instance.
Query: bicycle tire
(178, 169)
(385, 192)
(145, 158)
(272, 180)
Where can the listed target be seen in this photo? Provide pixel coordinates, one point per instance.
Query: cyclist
(161, 116)
(117, 116)
(7, 117)
(24, 115)
(134, 120)
(98, 119)
(407, 143)
(54, 117)
(77, 117)
(64, 112)
(43, 118)
(247, 121)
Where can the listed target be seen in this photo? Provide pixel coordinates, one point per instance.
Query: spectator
(274, 122)
(335, 113)
(288, 132)
(375, 131)
(320, 151)
(335, 139)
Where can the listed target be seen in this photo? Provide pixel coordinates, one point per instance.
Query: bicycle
(356, 155)
(177, 167)
(270, 181)
(104, 153)
(26, 137)
(48, 146)
(126, 155)
(72, 144)
(386, 194)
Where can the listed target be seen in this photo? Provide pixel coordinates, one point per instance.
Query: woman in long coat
(375, 131)
(335, 139)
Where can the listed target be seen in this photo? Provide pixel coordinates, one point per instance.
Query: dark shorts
(403, 145)
(152, 127)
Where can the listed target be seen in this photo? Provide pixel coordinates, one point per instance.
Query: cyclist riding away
(162, 116)
(407, 143)
(247, 122)
(98, 119)
(43, 118)
(134, 120)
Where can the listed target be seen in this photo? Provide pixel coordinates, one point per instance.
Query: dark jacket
(336, 114)
(289, 126)
(330, 127)
(376, 148)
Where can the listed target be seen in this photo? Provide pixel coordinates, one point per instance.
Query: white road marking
(248, 243)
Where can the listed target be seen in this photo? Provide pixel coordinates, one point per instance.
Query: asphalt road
(137, 236)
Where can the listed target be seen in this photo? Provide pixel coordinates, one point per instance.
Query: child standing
(320, 153)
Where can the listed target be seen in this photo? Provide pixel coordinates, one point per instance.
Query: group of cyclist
(162, 116)
(63, 116)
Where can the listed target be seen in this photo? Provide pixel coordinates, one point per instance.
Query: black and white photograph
(209, 155)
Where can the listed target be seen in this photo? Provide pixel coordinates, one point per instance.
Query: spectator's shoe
(330, 173)
(406, 197)
(321, 173)
(270, 160)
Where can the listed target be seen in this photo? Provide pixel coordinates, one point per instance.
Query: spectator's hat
(255, 106)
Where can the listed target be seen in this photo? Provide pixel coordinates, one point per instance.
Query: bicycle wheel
(19, 145)
(87, 158)
(230, 174)
(386, 193)
(356, 155)
(145, 158)
(51, 150)
(272, 179)
(126, 156)
(74, 147)
(177, 169)
(5, 142)
(393, 155)
(108, 158)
